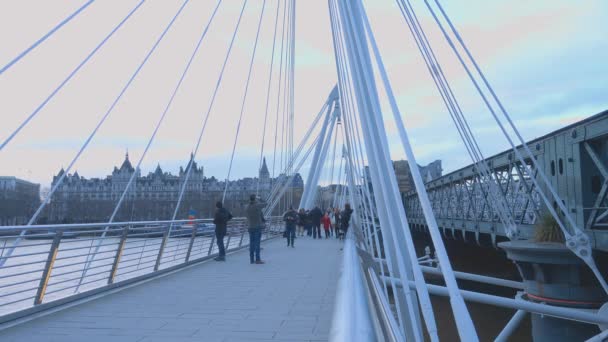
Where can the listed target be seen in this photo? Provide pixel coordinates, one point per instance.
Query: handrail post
(227, 246)
(161, 250)
(211, 245)
(191, 243)
(48, 267)
(121, 246)
(242, 236)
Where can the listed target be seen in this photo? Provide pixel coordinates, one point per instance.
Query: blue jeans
(255, 237)
(291, 234)
(219, 239)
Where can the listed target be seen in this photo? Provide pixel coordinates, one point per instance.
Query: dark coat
(221, 218)
(315, 216)
(301, 219)
(290, 218)
(345, 218)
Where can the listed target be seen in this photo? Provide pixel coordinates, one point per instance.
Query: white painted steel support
(309, 186)
(508, 330)
(477, 278)
(464, 323)
(317, 167)
(406, 302)
(580, 315)
(351, 319)
(391, 212)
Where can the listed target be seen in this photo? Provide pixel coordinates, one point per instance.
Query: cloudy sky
(546, 59)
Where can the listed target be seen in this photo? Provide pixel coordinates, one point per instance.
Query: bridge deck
(290, 298)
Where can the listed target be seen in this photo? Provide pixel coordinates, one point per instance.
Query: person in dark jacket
(221, 218)
(291, 218)
(345, 218)
(335, 222)
(308, 223)
(301, 222)
(255, 221)
(315, 215)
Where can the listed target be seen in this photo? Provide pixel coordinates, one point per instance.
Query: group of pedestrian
(334, 222)
(297, 223)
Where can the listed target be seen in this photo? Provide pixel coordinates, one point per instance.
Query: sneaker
(292, 246)
(219, 259)
(259, 262)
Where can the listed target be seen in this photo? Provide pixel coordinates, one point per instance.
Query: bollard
(553, 275)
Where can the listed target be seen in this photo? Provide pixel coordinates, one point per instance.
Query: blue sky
(546, 60)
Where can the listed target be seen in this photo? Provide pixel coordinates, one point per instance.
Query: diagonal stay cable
(69, 77)
(60, 180)
(347, 84)
(209, 109)
(274, 40)
(498, 201)
(45, 37)
(276, 120)
(238, 126)
(152, 137)
(366, 94)
(576, 240)
(465, 326)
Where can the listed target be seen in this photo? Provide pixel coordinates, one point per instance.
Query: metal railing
(362, 311)
(52, 264)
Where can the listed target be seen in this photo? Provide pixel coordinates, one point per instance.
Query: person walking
(326, 224)
(308, 223)
(335, 226)
(254, 220)
(221, 218)
(290, 217)
(315, 215)
(301, 221)
(345, 218)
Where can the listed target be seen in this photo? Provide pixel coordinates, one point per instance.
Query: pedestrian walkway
(290, 298)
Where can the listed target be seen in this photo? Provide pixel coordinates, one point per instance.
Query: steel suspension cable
(303, 141)
(69, 77)
(345, 94)
(465, 326)
(274, 40)
(238, 127)
(278, 195)
(365, 85)
(347, 97)
(276, 121)
(333, 154)
(292, 87)
(45, 37)
(209, 109)
(498, 202)
(99, 124)
(150, 140)
(358, 142)
(286, 99)
(164, 114)
(576, 240)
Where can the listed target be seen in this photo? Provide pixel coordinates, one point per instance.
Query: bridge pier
(552, 274)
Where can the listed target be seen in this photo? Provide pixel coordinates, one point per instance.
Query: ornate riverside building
(155, 196)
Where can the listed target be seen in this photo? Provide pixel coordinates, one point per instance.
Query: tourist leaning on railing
(221, 218)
